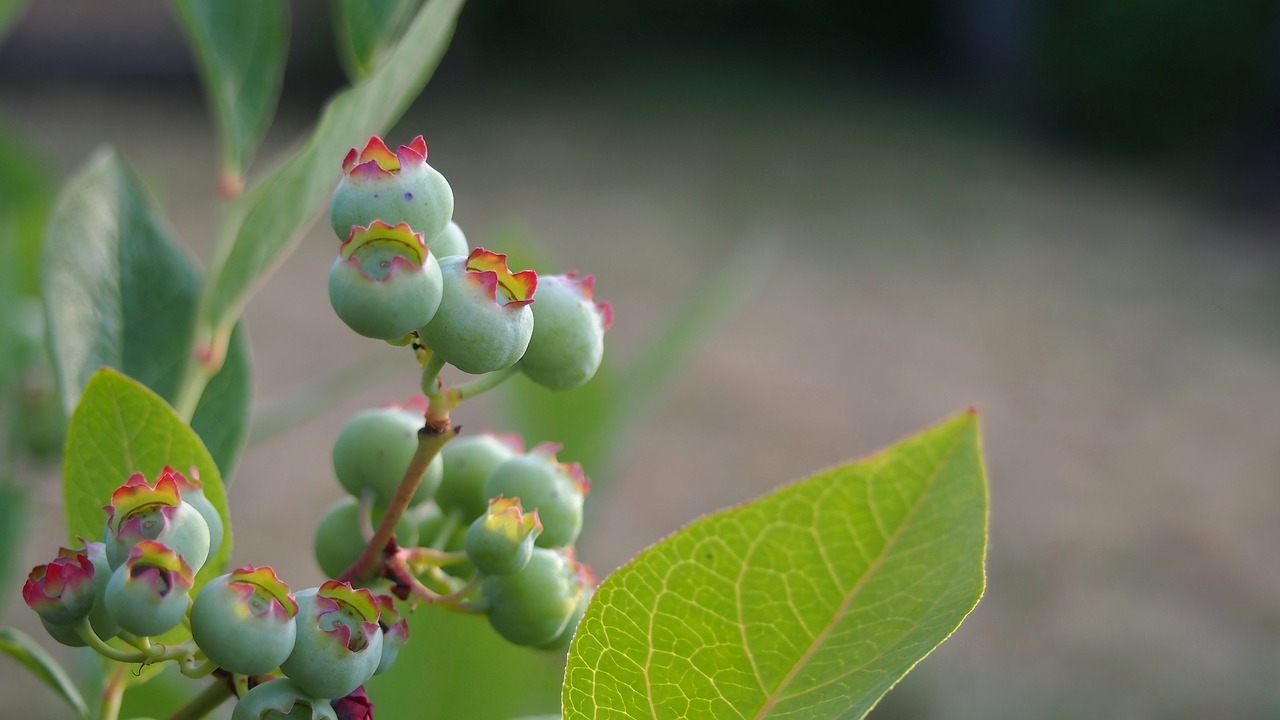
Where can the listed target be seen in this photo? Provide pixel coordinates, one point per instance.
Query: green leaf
(21, 647)
(10, 11)
(14, 509)
(366, 29)
(241, 47)
(119, 428)
(119, 293)
(266, 222)
(810, 602)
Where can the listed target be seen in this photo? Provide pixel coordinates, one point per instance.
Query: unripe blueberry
(500, 542)
(339, 643)
(140, 512)
(568, 332)
(484, 322)
(104, 626)
(148, 593)
(468, 460)
(373, 450)
(554, 489)
(451, 241)
(244, 620)
(191, 490)
(533, 606)
(393, 187)
(385, 283)
(588, 582)
(282, 699)
(339, 540)
(61, 591)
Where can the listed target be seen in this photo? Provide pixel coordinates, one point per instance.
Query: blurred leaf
(119, 428)
(21, 647)
(241, 47)
(366, 29)
(810, 602)
(14, 506)
(265, 223)
(456, 666)
(10, 11)
(119, 293)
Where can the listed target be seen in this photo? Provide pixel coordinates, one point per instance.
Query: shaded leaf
(366, 29)
(810, 602)
(19, 646)
(240, 47)
(14, 509)
(119, 428)
(119, 293)
(266, 222)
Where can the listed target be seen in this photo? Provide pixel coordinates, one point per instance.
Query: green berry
(554, 489)
(533, 606)
(484, 322)
(588, 582)
(449, 242)
(393, 187)
(568, 332)
(500, 542)
(244, 621)
(140, 512)
(147, 594)
(282, 699)
(61, 592)
(339, 643)
(339, 539)
(467, 462)
(385, 283)
(374, 449)
(192, 492)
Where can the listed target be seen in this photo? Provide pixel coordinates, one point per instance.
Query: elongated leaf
(810, 602)
(119, 428)
(241, 47)
(14, 509)
(366, 29)
(267, 221)
(119, 293)
(19, 646)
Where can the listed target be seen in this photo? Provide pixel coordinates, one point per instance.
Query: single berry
(385, 283)
(568, 332)
(500, 542)
(339, 537)
(339, 643)
(191, 490)
(468, 460)
(373, 450)
(282, 699)
(140, 512)
(395, 187)
(484, 322)
(244, 620)
(104, 626)
(62, 591)
(533, 606)
(355, 705)
(554, 489)
(148, 593)
(587, 580)
(451, 241)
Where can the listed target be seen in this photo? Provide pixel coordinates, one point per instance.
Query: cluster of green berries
(138, 583)
(405, 271)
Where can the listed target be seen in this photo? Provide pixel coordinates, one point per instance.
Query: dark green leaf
(119, 428)
(810, 602)
(265, 223)
(240, 46)
(366, 29)
(21, 647)
(119, 293)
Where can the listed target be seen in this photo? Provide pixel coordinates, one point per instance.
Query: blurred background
(1063, 211)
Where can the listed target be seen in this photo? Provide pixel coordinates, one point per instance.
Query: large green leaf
(21, 647)
(119, 428)
(119, 293)
(366, 29)
(267, 221)
(810, 602)
(240, 46)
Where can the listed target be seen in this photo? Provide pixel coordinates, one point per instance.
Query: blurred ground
(1119, 337)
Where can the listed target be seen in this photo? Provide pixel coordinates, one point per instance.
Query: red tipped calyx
(263, 592)
(586, 286)
(377, 160)
(135, 496)
(489, 271)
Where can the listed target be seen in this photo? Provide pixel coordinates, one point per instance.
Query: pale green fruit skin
(417, 194)
(495, 553)
(541, 486)
(451, 241)
(533, 606)
(140, 610)
(470, 330)
(186, 533)
(212, 520)
(568, 336)
(373, 450)
(562, 641)
(338, 539)
(237, 640)
(282, 699)
(390, 308)
(322, 667)
(467, 462)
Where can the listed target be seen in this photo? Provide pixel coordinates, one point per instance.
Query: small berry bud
(61, 591)
(568, 332)
(140, 512)
(451, 241)
(243, 621)
(468, 460)
(339, 643)
(148, 594)
(533, 606)
(373, 450)
(385, 283)
(554, 489)
(339, 538)
(484, 322)
(395, 187)
(500, 542)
